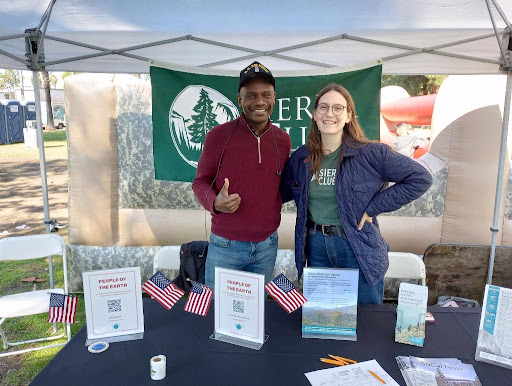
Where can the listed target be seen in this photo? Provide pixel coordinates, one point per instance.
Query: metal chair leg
(4, 338)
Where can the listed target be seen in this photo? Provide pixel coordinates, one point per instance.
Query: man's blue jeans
(247, 256)
(328, 251)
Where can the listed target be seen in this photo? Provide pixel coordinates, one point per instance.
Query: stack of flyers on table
(436, 371)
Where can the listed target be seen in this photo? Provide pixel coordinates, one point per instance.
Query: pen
(332, 362)
(342, 359)
(378, 378)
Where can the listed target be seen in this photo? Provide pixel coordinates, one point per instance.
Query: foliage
(204, 120)
(53, 81)
(9, 79)
(415, 84)
(67, 73)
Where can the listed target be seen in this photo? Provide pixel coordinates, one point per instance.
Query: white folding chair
(34, 302)
(404, 265)
(167, 258)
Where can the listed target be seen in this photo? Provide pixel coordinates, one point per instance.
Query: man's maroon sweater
(253, 165)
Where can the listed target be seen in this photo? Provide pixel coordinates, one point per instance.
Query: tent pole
(499, 183)
(40, 144)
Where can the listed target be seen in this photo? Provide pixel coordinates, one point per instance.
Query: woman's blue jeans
(326, 251)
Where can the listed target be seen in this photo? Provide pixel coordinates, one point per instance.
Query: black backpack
(192, 264)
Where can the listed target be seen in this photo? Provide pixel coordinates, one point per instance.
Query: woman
(337, 181)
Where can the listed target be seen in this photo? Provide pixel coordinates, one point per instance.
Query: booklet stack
(436, 372)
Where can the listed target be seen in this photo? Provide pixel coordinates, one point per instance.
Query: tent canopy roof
(288, 35)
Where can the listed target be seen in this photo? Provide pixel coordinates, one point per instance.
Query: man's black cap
(255, 70)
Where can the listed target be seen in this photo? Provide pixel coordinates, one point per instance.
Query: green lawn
(55, 147)
(32, 327)
(11, 273)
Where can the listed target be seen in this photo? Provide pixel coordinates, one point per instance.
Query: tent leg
(499, 183)
(42, 162)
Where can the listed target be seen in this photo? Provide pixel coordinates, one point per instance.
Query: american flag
(163, 290)
(285, 293)
(199, 299)
(62, 308)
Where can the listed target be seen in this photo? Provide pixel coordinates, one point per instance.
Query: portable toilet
(29, 112)
(3, 131)
(14, 121)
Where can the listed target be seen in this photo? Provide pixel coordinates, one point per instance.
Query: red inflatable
(414, 110)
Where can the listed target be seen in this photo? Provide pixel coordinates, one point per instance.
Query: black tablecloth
(194, 359)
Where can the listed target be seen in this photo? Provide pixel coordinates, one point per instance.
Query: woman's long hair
(352, 135)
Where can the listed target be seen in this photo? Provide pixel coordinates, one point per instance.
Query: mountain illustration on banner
(193, 113)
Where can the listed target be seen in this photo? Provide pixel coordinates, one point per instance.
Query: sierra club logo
(193, 113)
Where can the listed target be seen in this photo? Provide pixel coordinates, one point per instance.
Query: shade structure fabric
(412, 37)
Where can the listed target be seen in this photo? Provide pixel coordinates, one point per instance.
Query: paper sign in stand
(331, 309)
(113, 305)
(410, 314)
(494, 343)
(239, 308)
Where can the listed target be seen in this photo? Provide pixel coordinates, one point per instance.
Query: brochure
(331, 309)
(436, 372)
(494, 343)
(442, 371)
(410, 314)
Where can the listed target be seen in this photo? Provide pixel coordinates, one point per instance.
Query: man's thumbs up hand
(225, 202)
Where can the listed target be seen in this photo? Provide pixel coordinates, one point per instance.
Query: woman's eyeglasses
(323, 108)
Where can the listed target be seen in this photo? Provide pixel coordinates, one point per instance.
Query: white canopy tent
(411, 37)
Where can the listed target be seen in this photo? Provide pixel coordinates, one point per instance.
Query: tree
(336, 318)
(320, 316)
(9, 79)
(415, 84)
(226, 109)
(50, 125)
(204, 120)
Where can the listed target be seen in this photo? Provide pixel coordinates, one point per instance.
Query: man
(404, 143)
(238, 178)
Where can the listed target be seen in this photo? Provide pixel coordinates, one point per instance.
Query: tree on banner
(204, 120)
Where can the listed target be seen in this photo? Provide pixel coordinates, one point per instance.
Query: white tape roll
(158, 365)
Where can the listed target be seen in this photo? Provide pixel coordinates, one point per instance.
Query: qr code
(114, 305)
(238, 306)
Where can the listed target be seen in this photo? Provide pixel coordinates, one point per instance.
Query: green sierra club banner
(188, 102)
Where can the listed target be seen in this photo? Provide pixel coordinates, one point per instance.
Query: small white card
(113, 303)
(494, 343)
(240, 305)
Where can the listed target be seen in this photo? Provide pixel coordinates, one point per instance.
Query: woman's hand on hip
(365, 218)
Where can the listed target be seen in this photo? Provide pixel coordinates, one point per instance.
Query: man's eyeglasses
(323, 108)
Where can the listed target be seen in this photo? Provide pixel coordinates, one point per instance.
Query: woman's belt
(327, 230)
